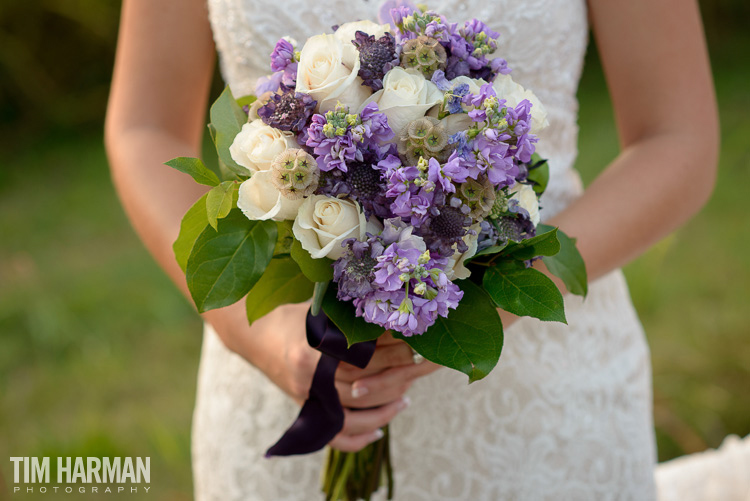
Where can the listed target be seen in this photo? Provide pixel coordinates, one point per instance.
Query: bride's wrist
(230, 323)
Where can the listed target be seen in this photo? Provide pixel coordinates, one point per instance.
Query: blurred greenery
(99, 352)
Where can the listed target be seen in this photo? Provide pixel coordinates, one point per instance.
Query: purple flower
(443, 175)
(492, 158)
(394, 11)
(477, 100)
(448, 223)
(288, 111)
(363, 181)
(499, 65)
(339, 137)
(456, 67)
(268, 83)
(282, 55)
(353, 271)
(376, 56)
(411, 288)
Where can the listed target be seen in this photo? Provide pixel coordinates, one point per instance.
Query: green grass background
(99, 352)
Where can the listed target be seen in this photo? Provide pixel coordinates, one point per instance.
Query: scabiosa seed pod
(295, 173)
(376, 57)
(423, 138)
(424, 54)
(479, 195)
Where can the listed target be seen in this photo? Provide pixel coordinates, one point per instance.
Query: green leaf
(285, 239)
(225, 264)
(544, 244)
(193, 224)
(281, 283)
(568, 265)
(538, 173)
(220, 200)
(342, 313)
(227, 119)
(495, 249)
(524, 292)
(319, 292)
(196, 168)
(469, 340)
(317, 270)
(246, 100)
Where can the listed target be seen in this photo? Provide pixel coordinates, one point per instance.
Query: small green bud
(424, 258)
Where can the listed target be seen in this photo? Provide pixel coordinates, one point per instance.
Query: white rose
(260, 200)
(527, 200)
(475, 84)
(406, 95)
(323, 223)
(456, 123)
(456, 268)
(258, 144)
(346, 31)
(514, 93)
(327, 70)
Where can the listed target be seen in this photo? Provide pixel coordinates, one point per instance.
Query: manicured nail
(359, 391)
(377, 434)
(404, 403)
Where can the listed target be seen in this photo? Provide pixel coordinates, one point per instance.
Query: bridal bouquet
(388, 172)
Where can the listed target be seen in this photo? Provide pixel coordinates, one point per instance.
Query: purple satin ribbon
(322, 415)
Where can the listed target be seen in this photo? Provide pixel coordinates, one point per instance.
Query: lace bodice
(544, 42)
(566, 415)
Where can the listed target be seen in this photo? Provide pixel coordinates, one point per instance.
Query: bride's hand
(373, 396)
(277, 345)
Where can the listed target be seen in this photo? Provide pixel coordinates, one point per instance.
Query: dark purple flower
(376, 56)
(447, 225)
(288, 111)
(353, 271)
(363, 181)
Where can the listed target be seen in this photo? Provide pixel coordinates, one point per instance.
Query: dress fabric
(565, 415)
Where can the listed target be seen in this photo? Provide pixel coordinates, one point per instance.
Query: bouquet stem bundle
(351, 476)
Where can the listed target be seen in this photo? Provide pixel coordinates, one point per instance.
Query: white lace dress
(566, 415)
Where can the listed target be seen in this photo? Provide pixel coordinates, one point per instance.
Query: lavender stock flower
(282, 55)
(411, 288)
(339, 137)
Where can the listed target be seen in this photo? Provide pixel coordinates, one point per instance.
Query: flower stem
(354, 476)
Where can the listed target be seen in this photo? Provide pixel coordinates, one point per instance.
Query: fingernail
(359, 391)
(404, 403)
(377, 434)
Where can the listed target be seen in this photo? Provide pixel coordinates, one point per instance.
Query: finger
(367, 400)
(359, 422)
(385, 356)
(386, 339)
(348, 443)
(369, 390)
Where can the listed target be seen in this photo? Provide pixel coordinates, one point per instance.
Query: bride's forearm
(650, 189)
(155, 196)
